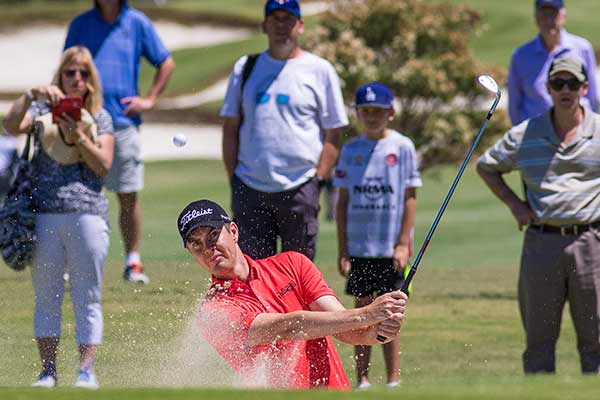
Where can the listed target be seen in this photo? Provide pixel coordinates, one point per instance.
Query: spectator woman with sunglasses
(557, 156)
(70, 160)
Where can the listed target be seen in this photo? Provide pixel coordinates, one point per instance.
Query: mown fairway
(462, 339)
(462, 336)
(510, 23)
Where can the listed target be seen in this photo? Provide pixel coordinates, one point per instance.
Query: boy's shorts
(127, 172)
(372, 276)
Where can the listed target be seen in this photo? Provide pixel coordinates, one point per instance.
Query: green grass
(64, 10)
(508, 24)
(532, 389)
(462, 337)
(250, 9)
(198, 68)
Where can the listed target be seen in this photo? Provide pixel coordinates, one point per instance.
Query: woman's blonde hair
(92, 101)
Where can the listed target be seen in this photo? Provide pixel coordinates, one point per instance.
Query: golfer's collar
(227, 287)
(253, 268)
(252, 272)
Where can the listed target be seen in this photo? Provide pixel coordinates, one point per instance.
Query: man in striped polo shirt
(558, 157)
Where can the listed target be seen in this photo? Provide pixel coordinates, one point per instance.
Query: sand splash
(192, 362)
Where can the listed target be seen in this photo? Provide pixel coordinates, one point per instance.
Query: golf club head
(489, 83)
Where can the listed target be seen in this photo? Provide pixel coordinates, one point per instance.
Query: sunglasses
(70, 73)
(558, 83)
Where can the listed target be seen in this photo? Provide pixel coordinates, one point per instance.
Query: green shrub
(421, 52)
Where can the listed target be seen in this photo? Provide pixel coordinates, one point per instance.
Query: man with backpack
(283, 114)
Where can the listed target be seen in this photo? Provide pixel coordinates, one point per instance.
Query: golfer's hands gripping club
(389, 329)
(388, 310)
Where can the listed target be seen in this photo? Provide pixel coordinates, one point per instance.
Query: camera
(70, 106)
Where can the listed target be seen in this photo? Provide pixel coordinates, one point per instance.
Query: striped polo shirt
(562, 181)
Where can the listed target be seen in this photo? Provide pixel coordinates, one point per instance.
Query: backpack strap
(248, 67)
(27, 153)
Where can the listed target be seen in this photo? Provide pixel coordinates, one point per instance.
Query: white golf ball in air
(179, 140)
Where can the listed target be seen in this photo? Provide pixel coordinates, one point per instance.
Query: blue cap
(549, 3)
(291, 6)
(374, 94)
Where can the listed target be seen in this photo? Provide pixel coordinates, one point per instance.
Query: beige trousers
(556, 269)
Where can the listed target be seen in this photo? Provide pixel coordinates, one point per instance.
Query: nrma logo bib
(373, 189)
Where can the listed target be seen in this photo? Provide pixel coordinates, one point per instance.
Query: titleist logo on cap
(193, 214)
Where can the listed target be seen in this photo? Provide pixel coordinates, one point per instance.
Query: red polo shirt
(280, 284)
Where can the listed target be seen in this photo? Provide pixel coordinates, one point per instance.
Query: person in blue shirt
(527, 92)
(118, 37)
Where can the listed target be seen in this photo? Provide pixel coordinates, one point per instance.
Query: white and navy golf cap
(201, 213)
(549, 3)
(374, 94)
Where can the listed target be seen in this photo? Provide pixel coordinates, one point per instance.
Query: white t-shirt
(286, 105)
(376, 174)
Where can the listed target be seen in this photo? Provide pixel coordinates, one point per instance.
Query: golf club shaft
(415, 264)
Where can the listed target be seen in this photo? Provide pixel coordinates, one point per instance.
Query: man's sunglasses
(70, 73)
(558, 83)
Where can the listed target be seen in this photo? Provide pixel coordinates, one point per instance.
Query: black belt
(565, 230)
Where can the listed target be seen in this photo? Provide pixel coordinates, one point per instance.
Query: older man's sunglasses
(558, 83)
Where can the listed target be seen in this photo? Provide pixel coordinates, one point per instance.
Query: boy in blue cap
(377, 175)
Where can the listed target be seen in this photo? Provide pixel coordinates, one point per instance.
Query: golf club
(490, 84)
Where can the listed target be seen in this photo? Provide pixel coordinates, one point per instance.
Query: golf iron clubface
(490, 84)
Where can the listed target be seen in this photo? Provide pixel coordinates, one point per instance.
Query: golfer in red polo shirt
(271, 319)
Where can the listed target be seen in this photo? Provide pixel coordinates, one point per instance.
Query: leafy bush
(420, 50)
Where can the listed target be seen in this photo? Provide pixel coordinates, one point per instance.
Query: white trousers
(77, 244)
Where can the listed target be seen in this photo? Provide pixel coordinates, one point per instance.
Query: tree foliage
(420, 50)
